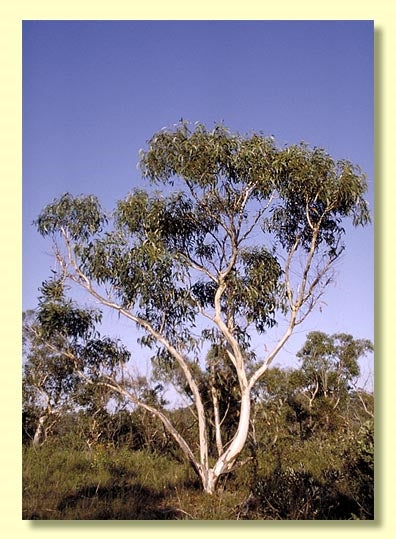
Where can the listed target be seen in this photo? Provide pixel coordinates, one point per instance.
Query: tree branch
(85, 282)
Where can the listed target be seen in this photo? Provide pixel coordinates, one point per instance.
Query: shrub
(359, 471)
(295, 494)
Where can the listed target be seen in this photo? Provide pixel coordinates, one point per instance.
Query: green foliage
(101, 355)
(359, 470)
(62, 351)
(292, 494)
(165, 253)
(328, 479)
(81, 217)
(247, 234)
(220, 379)
(330, 363)
(317, 192)
(202, 156)
(135, 471)
(320, 395)
(73, 330)
(255, 288)
(48, 379)
(58, 315)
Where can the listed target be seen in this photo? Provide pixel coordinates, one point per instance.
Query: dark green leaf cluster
(56, 314)
(221, 378)
(71, 332)
(203, 157)
(74, 323)
(295, 494)
(316, 192)
(80, 217)
(101, 355)
(169, 222)
(140, 259)
(255, 291)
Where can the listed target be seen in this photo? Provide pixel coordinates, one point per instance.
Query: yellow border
(11, 15)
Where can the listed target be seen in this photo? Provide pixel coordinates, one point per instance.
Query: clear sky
(95, 92)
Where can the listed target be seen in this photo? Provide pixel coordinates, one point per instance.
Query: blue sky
(95, 92)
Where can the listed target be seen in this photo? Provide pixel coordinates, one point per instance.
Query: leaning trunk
(224, 464)
(39, 434)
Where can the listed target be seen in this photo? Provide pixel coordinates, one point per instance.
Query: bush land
(328, 476)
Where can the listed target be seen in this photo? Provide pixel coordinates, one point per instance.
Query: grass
(299, 479)
(115, 484)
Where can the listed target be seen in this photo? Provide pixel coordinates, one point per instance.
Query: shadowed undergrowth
(308, 483)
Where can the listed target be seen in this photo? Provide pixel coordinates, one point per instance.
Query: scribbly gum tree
(242, 233)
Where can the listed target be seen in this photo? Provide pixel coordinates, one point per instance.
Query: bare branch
(84, 281)
(195, 265)
(257, 218)
(368, 412)
(115, 386)
(261, 370)
(287, 270)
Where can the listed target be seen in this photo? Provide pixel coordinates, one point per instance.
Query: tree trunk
(226, 461)
(217, 422)
(209, 480)
(224, 464)
(40, 431)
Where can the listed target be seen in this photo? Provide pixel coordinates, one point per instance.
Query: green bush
(324, 477)
(292, 494)
(359, 471)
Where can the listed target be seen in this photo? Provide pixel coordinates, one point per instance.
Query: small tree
(63, 351)
(248, 233)
(330, 369)
(48, 380)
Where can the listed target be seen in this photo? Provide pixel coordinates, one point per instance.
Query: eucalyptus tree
(47, 381)
(231, 234)
(63, 351)
(329, 370)
(330, 363)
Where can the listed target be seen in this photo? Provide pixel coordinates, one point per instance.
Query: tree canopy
(241, 233)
